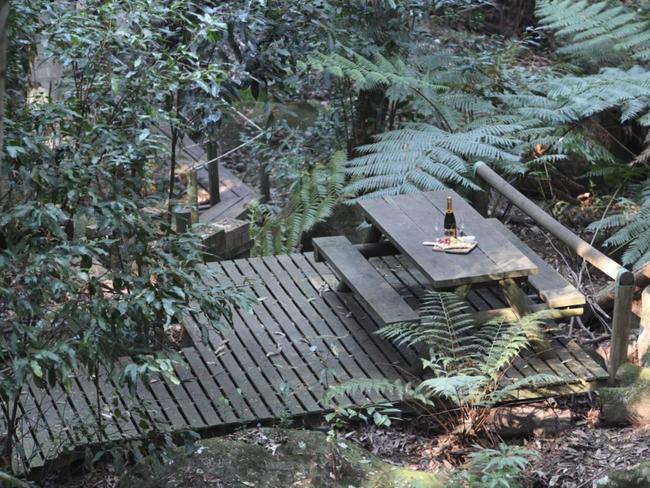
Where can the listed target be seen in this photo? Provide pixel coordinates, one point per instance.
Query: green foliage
(495, 468)
(379, 414)
(465, 362)
(597, 32)
(423, 156)
(312, 199)
(90, 271)
(632, 226)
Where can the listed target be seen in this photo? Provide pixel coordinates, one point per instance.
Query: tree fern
(312, 199)
(422, 157)
(602, 31)
(633, 228)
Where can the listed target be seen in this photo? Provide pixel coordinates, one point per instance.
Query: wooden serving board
(455, 251)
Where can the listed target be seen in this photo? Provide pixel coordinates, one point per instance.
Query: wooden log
(621, 321)
(643, 342)
(577, 245)
(605, 297)
(193, 196)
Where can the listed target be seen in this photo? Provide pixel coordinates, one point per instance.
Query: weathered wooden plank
(246, 408)
(257, 365)
(278, 356)
(382, 301)
(275, 353)
(358, 347)
(188, 378)
(341, 346)
(216, 396)
(408, 220)
(402, 358)
(499, 250)
(185, 404)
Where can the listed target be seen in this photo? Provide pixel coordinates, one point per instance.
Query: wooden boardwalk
(274, 363)
(235, 194)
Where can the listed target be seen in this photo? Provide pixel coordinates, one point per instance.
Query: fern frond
(421, 157)
(395, 390)
(633, 225)
(600, 31)
(312, 199)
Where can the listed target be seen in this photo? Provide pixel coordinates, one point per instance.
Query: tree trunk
(605, 297)
(4, 170)
(370, 117)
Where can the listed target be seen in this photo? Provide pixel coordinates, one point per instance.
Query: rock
(628, 403)
(638, 477)
(538, 419)
(285, 458)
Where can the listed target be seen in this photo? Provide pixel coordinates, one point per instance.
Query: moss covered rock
(638, 477)
(288, 458)
(629, 403)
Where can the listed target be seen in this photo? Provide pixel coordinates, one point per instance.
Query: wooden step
(380, 299)
(553, 288)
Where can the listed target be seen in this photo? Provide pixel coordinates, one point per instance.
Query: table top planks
(409, 220)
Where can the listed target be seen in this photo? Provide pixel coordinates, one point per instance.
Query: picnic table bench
(400, 224)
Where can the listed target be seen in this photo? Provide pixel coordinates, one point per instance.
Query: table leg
(373, 235)
(521, 307)
(462, 291)
(515, 297)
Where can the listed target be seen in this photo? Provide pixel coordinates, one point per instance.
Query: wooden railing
(624, 279)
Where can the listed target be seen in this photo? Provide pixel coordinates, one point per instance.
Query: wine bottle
(450, 220)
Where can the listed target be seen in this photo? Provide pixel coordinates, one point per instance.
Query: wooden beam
(182, 219)
(621, 322)
(643, 343)
(508, 314)
(583, 249)
(515, 297)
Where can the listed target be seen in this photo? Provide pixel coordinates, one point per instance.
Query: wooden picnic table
(404, 222)
(409, 220)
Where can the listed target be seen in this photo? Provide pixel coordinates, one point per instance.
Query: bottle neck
(449, 206)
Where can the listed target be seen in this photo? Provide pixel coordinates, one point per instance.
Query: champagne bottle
(450, 220)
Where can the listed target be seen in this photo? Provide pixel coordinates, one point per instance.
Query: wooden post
(621, 322)
(644, 337)
(213, 173)
(193, 195)
(182, 219)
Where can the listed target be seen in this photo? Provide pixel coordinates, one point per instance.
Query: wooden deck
(235, 194)
(274, 363)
